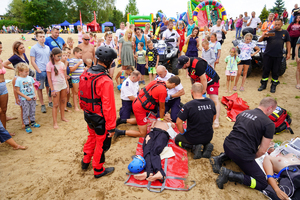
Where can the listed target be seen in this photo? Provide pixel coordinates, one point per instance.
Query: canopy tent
(65, 23)
(78, 23)
(93, 26)
(108, 24)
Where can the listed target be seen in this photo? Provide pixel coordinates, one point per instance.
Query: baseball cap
(182, 60)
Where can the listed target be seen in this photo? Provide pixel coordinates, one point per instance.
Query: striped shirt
(76, 74)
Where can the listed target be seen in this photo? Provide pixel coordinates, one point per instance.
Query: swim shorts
(230, 72)
(3, 88)
(75, 80)
(139, 112)
(151, 70)
(213, 89)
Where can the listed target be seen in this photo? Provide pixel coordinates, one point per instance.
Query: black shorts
(245, 62)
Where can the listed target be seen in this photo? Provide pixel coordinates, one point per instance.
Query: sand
(50, 168)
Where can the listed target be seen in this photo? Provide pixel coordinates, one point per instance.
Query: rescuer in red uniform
(151, 97)
(96, 94)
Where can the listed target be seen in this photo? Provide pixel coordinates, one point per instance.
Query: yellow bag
(185, 46)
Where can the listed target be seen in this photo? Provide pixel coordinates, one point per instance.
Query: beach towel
(235, 105)
(176, 169)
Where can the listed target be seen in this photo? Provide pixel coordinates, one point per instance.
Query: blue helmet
(137, 164)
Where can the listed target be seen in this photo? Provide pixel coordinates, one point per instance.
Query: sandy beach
(51, 169)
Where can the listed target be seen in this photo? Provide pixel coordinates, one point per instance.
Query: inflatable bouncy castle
(203, 11)
(139, 21)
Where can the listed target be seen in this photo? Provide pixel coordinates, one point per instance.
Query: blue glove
(168, 98)
(183, 132)
(204, 95)
(119, 87)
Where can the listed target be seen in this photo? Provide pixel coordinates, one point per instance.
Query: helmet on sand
(106, 54)
(137, 164)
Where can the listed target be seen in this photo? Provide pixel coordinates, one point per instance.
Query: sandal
(234, 88)
(19, 147)
(242, 89)
(298, 86)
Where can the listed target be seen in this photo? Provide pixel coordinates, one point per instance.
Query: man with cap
(173, 98)
(200, 71)
(129, 91)
(148, 100)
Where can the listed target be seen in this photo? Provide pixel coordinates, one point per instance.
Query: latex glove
(183, 132)
(168, 98)
(119, 87)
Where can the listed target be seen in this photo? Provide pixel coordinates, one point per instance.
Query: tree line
(29, 13)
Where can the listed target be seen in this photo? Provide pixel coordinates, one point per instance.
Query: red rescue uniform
(148, 100)
(96, 94)
(199, 67)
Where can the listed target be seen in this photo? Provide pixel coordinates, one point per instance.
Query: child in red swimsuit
(180, 27)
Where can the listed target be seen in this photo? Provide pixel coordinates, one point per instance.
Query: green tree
(279, 7)
(15, 11)
(35, 12)
(131, 8)
(116, 18)
(264, 14)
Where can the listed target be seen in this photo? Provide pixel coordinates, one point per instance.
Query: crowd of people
(87, 70)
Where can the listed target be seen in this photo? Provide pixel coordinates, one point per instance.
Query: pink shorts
(230, 73)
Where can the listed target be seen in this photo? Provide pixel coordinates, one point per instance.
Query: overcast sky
(170, 7)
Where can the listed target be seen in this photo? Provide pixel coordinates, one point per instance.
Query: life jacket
(88, 98)
(195, 77)
(289, 181)
(281, 120)
(146, 98)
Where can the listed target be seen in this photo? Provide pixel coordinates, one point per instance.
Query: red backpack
(281, 120)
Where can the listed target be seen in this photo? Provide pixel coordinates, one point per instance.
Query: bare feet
(64, 119)
(23, 126)
(55, 126)
(141, 176)
(77, 109)
(157, 176)
(230, 91)
(19, 147)
(12, 134)
(297, 86)
(10, 118)
(226, 91)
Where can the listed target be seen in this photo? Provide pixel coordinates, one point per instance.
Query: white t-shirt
(120, 33)
(128, 89)
(170, 91)
(218, 30)
(254, 22)
(167, 35)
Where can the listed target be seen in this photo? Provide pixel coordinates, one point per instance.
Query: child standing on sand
(25, 89)
(76, 69)
(231, 69)
(56, 73)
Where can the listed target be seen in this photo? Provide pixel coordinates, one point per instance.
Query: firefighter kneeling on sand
(96, 94)
(149, 99)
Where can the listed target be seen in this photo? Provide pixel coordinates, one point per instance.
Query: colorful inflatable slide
(202, 11)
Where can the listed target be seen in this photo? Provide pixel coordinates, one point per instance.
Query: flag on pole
(80, 19)
(95, 21)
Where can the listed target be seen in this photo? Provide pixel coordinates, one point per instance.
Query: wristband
(111, 130)
(52, 90)
(160, 119)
